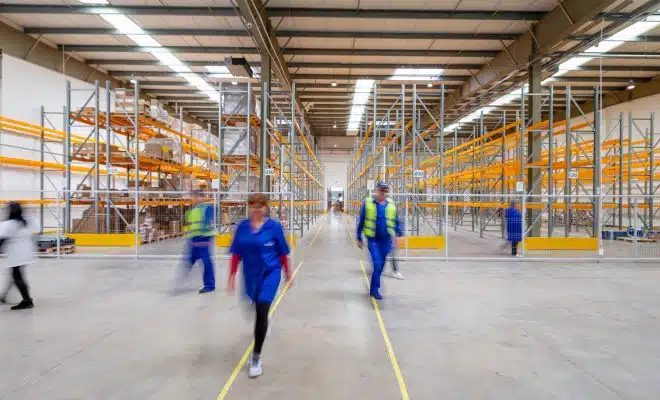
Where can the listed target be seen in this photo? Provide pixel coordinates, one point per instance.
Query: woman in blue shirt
(260, 244)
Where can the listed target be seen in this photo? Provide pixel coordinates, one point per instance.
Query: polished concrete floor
(109, 329)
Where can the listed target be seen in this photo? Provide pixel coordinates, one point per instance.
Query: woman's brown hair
(258, 199)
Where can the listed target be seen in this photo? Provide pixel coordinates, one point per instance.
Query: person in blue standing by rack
(260, 244)
(513, 227)
(379, 222)
(200, 239)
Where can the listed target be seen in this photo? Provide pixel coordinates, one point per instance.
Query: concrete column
(534, 142)
(264, 153)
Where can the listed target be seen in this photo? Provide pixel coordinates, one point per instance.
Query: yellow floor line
(317, 233)
(388, 343)
(248, 351)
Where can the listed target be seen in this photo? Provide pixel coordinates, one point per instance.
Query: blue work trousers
(202, 252)
(379, 248)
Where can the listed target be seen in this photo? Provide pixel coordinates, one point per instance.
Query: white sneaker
(397, 275)
(519, 255)
(255, 369)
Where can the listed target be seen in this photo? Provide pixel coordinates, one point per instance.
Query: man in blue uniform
(513, 227)
(200, 237)
(380, 223)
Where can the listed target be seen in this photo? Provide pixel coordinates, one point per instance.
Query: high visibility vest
(196, 223)
(370, 214)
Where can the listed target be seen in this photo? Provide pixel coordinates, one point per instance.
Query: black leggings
(19, 281)
(261, 326)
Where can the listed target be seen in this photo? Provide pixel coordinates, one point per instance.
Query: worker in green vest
(380, 223)
(200, 238)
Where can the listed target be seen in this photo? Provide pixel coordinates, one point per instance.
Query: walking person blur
(17, 243)
(380, 223)
(396, 273)
(513, 227)
(199, 240)
(260, 245)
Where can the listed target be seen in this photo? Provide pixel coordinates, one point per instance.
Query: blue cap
(383, 186)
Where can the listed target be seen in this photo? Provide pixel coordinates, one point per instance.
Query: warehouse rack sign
(113, 170)
(371, 184)
(269, 171)
(419, 174)
(572, 174)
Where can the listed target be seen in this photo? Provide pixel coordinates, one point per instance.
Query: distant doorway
(336, 199)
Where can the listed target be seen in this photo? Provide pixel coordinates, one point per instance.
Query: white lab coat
(18, 246)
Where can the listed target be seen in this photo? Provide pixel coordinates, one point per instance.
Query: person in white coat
(17, 243)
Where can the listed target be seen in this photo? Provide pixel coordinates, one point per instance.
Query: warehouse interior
(116, 115)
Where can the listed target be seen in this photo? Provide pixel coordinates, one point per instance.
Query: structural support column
(264, 154)
(534, 141)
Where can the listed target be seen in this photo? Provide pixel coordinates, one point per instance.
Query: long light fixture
(360, 99)
(416, 74)
(133, 31)
(605, 46)
(633, 31)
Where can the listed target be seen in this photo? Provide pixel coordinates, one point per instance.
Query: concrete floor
(108, 329)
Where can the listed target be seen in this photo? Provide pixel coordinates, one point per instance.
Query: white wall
(27, 87)
(336, 167)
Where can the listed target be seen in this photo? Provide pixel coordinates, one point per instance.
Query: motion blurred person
(17, 243)
(199, 233)
(380, 223)
(396, 273)
(260, 244)
(513, 227)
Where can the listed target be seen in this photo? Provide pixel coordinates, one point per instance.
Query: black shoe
(3, 300)
(206, 290)
(23, 305)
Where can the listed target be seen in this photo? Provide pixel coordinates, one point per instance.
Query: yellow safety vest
(370, 214)
(196, 223)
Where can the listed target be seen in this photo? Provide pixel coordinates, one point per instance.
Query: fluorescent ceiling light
(221, 76)
(416, 74)
(419, 71)
(217, 69)
(360, 98)
(167, 58)
(94, 1)
(144, 40)
(179, 68)
(123, 24)
(633, 31)
(630, 87)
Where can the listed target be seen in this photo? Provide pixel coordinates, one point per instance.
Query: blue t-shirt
(260, 251)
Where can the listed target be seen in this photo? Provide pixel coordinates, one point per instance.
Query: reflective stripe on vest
(196, 223)
(371, 213)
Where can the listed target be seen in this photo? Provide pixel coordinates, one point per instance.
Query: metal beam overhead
(276, 12)
(320, 65)
(82, 48)
(281, 34)
(300, 51)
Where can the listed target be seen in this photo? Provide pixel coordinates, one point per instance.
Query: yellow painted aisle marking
(317, 233)
(248, 351)
(388, 343)
(383, 330)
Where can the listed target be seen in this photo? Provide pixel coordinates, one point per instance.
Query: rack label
(113, 170)
(371, 184)
(418, 174)
(269, 171)
(572, 174)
